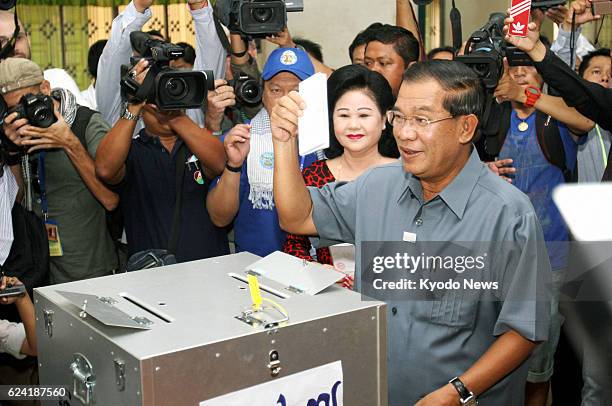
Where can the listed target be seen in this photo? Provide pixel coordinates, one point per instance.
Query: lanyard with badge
(55, 244)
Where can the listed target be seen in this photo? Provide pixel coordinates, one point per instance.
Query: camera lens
(262, 14)
(40, 114)
(481, 69)
(176, 87)
(249, 92)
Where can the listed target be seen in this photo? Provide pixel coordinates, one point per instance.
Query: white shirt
(561, 46)
(8, 192)
(11, 338)
(117, 52)
(210, 54)
(60, 78)
(89, 95)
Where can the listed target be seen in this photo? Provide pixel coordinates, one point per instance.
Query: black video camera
(248, 91)
(486, 49)
(166, 87)
(256, 18)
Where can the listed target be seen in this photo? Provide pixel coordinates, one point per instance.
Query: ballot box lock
(274, 365)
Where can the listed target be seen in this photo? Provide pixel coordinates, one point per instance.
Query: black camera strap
(455, 19)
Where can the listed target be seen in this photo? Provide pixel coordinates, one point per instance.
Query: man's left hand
(58, 135)
(445, 396)
(218, 100)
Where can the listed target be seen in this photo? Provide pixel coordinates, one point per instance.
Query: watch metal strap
(129, 116)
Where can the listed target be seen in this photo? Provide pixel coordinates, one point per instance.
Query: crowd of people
(115, 181)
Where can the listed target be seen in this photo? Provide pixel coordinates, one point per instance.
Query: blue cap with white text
(290, 60)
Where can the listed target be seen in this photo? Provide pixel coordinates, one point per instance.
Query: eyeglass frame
(392, 114)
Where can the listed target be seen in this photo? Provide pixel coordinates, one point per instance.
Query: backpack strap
(494, 140)
(552, 145)
(81, 121)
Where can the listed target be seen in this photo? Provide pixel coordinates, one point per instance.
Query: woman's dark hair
(357, 77)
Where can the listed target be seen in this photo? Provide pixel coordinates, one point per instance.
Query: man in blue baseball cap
(243, 193)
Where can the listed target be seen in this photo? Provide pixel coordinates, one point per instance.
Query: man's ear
(45, 87)
(468, 127)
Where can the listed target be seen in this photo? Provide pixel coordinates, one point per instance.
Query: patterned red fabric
(318, 175)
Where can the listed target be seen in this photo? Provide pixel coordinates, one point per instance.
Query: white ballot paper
(290, 271)
(343, 256)
(313, 126)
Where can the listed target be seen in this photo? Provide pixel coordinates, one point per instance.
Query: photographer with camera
(243, 193)
(210, 54)
(72, 201)
(162, 176)
(590, 99)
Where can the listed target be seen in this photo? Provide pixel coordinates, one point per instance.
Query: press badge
(55, 243)
(409, 237)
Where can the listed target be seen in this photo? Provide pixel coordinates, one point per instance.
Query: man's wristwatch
(127, 115)
(533, 94)
(466, 397)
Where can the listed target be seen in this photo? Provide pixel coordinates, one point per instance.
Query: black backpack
(549, 139)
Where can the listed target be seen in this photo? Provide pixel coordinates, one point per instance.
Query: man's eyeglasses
(399, 121)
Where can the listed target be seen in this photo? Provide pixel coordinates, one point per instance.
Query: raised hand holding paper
(519, 11)
(313, 126)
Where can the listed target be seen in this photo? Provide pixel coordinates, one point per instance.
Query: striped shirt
(8, 192)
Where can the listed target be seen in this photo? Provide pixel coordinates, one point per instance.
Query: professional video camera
(256, 18)
(248, 91)
(485, 51)
(167, 88)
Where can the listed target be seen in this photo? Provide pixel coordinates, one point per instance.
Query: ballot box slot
(146, 307)
(262, 286)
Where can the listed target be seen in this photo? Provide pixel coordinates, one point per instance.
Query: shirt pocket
(454, 309)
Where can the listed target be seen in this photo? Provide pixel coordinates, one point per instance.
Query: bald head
(7, 27)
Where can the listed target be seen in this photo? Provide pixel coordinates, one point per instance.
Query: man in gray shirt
(440, 191)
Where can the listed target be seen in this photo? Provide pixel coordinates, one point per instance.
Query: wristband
(235, 169)
(239, 54)
(12, 159)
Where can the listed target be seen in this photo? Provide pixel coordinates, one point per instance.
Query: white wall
(334, 24)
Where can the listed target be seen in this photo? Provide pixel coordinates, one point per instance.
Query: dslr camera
(248, 90)
(485, 51)
(166, 87)
(38, 109)
(256, 18)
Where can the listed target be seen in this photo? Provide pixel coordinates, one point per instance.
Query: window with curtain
(61, 31)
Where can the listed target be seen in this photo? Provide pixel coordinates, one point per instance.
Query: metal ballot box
(182, 335)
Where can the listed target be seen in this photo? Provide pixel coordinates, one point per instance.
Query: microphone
(455, 18)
